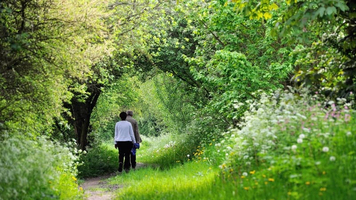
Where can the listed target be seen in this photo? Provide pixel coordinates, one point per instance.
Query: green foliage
(99, 160)
(168, 150)
(38, 169)
(291, 144)
(325, 29)
(166, 104)
(120, 96)
(42, 44)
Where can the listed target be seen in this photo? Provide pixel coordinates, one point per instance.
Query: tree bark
(81, 112)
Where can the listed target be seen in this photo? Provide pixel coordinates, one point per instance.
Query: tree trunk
(81, 112)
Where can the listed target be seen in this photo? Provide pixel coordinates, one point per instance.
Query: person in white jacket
(124, 139)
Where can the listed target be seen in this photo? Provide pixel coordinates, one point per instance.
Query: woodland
(235, 99)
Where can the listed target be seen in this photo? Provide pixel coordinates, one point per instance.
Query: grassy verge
(193, 180)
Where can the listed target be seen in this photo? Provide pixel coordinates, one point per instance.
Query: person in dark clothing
(124, 139)
(137, 137)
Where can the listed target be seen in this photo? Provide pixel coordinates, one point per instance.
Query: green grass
(188, 181)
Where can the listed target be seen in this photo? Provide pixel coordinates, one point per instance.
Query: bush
(101, 159)
(38, 169)
(295, 146)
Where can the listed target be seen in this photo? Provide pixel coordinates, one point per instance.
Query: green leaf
(331, 10)
(342, 6)
(320, 11)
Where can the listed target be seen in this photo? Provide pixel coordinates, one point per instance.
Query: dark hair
(123, 115)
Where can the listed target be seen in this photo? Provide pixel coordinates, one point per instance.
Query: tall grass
(188, 181)
(167, 151)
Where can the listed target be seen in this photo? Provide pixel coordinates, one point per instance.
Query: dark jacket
(135, 128)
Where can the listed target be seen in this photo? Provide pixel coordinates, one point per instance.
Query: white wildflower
(294, 147)
(348, 133)
(325, 149)
(306, 130)
(301, 136)
(300, 140)
(244, 174)
(332, 158)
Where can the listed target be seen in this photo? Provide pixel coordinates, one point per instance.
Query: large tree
(44, 45)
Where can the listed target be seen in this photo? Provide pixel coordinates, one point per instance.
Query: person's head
(130, 113)
(123, 115)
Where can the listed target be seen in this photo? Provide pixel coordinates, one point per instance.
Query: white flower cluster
(170, 144)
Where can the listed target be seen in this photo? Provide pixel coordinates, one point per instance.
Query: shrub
(292, 145)
(38, 169)
(101, 159)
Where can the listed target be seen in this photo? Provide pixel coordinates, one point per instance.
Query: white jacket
(124, 132)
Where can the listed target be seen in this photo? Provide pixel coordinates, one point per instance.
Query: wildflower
(252, 172)
(301, 136)
(324, 172)
(347, 117)
(332, 158)
(188, 155)
(246, 188)
(348, 133)
(242, 177)
(323, 189)
(264, 176)
(294, 147)
(325, 149)
(271, 179)
(300, 140)
(74, 178)
(307, 183)
(244, 174)
(80, 188)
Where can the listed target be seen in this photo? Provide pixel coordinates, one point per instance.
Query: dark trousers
(124, 151)
(133, 161)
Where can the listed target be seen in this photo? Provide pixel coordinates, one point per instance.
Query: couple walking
(127, 140)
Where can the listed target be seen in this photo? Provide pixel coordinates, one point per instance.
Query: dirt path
(98, 189)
